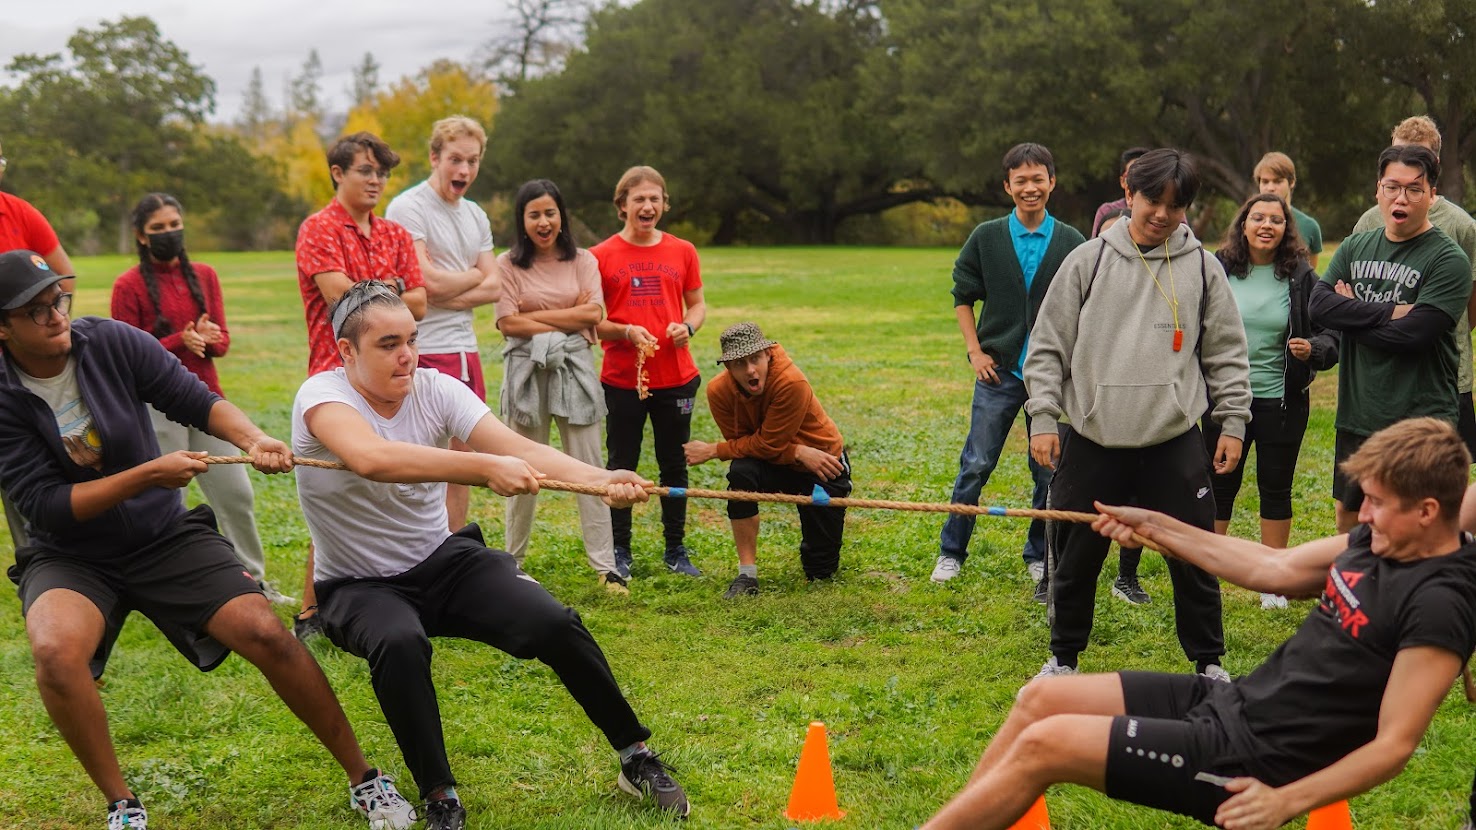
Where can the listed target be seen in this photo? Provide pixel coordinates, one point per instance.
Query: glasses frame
(1412, 192)
(41, 314)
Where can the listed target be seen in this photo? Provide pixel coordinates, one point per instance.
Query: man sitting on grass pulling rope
(390, 576)
(1335, 711)
(110, 534)
(779, 440)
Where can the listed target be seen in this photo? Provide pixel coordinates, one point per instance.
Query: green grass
(911, 678)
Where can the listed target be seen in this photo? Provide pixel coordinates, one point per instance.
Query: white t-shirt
(454, 235)
(364, 528)
(73, 420)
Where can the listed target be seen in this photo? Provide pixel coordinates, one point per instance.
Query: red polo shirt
(330, 240)
(23, 227)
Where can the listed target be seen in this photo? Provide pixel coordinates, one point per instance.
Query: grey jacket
(572, 384)
(1101, 352)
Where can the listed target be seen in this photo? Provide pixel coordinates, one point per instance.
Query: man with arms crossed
(390, 575)
(1335, 711)
(453, 244)
(110, 534)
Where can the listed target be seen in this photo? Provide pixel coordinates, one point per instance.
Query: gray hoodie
(1101, 351)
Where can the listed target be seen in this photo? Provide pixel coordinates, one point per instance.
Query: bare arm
(415, 301)
(91, 499)
(486, 292)
(1296, 572)
(332, 285)
(59, 262)
(567, 320)
(1420, 679)
(440, 284)
(229, 423)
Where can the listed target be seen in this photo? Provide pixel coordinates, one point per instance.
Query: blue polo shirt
(1030, 248)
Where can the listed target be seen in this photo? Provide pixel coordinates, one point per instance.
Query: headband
(353, 300)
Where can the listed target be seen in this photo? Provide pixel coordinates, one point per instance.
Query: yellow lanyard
(1173, 304)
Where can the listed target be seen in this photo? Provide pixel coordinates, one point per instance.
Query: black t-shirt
(1317, 697)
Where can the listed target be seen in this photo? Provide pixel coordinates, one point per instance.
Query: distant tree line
(775, 121)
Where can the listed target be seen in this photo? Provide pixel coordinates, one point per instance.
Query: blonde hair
(1418, 129)
(1419, 458)
(452, 128)
(1278, 165)
(635, 176)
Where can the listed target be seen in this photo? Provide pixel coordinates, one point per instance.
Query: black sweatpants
(1172, 477)
(464, 590)
(670, 411)
(820, 527)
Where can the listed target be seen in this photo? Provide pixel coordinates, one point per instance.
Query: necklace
(1173, 304)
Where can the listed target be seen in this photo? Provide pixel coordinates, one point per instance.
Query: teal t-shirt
(1309, 229)
(1377, 387)
(1265, 306)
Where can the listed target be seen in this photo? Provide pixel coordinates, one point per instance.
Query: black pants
(464, 590)
(1466, 421)
(670, 411)
(820, 527)
(1277, 435)
(1172, 477)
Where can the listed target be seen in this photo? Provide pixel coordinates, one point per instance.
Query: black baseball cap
(23, 275)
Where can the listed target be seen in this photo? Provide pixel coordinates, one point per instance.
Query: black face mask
(167, 246)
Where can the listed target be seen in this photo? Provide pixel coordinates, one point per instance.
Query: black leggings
(1277, 434)
(670, 411)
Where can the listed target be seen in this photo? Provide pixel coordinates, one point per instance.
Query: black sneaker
(1043, 591)
(678, 561)
(644, 776)
(623, 559)
(445, 814)
(743, 585)
(1126, 588)
(307, 627)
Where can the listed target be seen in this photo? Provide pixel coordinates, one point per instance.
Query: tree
(305, 92)
(539, 35)
(256, 120)
(365, 80)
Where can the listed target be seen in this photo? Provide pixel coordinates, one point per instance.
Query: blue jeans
(994, 410)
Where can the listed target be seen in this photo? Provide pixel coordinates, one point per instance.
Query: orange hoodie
(770, 425)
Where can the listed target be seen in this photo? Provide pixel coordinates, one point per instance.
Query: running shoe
(679, 561)
(743, 585)
(623, 561)
(946, 568)
(128, 815)
(613, 584)
(1052, 668)
(378, 801)
(645, 777)
(1129, 590)
(445, 814)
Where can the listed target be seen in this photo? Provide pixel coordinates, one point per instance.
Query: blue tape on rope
(676, 492)
(819, 496)
(999, 511)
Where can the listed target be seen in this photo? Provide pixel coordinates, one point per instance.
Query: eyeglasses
(1412, 192)
(41, 314)
(372, 172)
(1266, 219)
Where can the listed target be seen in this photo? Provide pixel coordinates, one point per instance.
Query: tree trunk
(1452, 158)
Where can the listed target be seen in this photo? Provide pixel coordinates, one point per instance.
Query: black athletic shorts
(1348, 493)
(178, 582)
(1162, 756)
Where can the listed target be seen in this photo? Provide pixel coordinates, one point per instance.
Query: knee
(58, 660)
(1038, 699)
(547, 632)
(400, 648)
(1036, 745)
(262, 639)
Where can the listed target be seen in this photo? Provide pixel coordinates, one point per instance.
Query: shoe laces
(650, 767)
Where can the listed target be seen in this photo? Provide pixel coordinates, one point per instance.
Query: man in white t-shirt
(390, 576)
(453, 241)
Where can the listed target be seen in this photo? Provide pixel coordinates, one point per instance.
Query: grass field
(912, 678)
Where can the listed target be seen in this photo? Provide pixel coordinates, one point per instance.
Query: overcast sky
(230, 38)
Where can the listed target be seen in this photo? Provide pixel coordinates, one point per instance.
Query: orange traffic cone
(813, 796)
(1332, 817)
(1038, 818)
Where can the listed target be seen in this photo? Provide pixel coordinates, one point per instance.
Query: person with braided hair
(179, 302)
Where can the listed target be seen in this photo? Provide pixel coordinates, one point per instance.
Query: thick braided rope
(779, 498)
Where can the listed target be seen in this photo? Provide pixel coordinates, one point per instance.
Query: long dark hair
(141, 213)
(1235, 251)
(523, 247)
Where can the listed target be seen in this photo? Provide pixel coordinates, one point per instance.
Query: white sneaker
(1215, 671)
(946, 569)
(122, 816)
(1055, 669)
(275, 596)
(378, 801)
(1036, 571)
(1270, 601)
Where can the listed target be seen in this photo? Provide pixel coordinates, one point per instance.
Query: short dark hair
(1155, 170)
(523, 247)
(1414, 155)
(1022, 155)
(342, 153)
(1129, 156)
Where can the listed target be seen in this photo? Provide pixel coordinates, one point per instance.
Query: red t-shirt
(131, 305)
(330, 240)
(22, 227)
(644, 285)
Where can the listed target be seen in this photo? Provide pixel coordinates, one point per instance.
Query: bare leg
(745, 539)
(1222, 528)
(64, 628)
(247, 626)
(458, 496)
(1275, 533)
(1345, 519)
(309, 593)
(1083, 694)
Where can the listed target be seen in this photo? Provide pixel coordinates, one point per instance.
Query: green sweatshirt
(987, 271)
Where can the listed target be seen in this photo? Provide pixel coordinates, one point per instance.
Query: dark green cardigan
(988, 271)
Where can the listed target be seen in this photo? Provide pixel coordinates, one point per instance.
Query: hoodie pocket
(1135, 415)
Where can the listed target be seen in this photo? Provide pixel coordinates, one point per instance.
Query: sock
(443, 794)
(372, 774)
(632, 751)
(748, 570)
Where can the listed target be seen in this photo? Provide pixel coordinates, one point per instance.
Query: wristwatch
(399, 284)
(690, 331)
